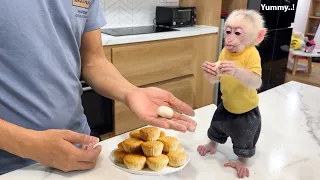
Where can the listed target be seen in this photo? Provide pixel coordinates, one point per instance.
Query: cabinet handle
(86, 89)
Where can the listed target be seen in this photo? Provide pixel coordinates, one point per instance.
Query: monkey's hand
(210, 72)
(209, 68)
(228, 68)
(246, 76)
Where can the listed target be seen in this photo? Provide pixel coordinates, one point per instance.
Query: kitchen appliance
(98, 110)
(176, 16)
(135, 30)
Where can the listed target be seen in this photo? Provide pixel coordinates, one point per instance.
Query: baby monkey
(239, 71)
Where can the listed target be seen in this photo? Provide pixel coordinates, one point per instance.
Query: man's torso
(40, 66)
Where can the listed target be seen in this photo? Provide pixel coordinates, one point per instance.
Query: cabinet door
(153, 62)
(126, 121)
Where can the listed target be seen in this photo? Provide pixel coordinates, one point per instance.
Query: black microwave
(176, 16)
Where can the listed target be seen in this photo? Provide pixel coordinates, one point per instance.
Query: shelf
(310, 34)
(314, 17)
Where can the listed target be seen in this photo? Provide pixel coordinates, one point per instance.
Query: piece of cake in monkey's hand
(217, 64)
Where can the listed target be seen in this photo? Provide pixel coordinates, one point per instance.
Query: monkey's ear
(261, 35)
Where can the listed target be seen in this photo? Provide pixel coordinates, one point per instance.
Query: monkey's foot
(242, 171)
(210, 147)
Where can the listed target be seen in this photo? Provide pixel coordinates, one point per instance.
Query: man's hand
(105, 79)
(56, 149)
(228, 68)
(144, 102)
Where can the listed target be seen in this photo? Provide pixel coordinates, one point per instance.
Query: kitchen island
(288, 148)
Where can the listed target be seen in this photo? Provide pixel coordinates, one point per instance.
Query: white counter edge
(184, 32)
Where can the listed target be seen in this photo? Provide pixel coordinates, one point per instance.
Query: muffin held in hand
(162, 134)
(177, 159)
(119, 155)
(157, 163)
(170, 143)
(132, 145)
(152, 148)
(150, 133)
(135, 161)
(135, 134)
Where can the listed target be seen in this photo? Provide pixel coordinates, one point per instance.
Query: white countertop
(183, 32)
(288, 148)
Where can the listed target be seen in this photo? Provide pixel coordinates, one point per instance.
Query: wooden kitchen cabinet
(153, 62)
(125, 120)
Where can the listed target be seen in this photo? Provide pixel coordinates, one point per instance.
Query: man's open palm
(145, 102)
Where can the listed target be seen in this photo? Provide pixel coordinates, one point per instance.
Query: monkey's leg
(206, 148)
(215, 133)
(240, 166)
(244, 132)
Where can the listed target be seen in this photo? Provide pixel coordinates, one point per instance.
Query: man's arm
(98, 72)
(13, 138)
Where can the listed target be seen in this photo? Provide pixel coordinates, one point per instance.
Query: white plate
(147, 171)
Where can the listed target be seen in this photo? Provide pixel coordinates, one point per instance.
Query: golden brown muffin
(180, 148)
(162, 134)
(170, 143)
(119, 155)
(135, 161)
(135, 134)
(150, 133)
(177, 159)
(152, 148)
(132, 145)
(157, 163)
(120, 146)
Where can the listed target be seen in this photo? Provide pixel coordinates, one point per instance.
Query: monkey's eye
(228, 32)
(238, 33)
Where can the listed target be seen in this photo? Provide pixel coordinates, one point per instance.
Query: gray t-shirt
(40, 65)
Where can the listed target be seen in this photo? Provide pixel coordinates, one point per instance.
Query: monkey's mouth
(229, 46)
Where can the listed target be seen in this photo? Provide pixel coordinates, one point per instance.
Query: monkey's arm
(212, 79)
(249, 78)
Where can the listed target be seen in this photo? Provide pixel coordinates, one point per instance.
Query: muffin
(157, 163)
(119, 155)
(170, 143)
(177, 159)
(135, 134)
(120, 146)
(132, 145)
(135, 161)
(162, 134)
(152, 148)
(150, 133)
(180, 148)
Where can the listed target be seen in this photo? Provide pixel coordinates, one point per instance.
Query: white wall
(301, 17)
(124, 13)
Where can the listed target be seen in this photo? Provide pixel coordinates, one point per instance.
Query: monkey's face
(234, 39)
(239, 34)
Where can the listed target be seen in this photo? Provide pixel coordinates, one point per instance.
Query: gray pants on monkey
(243, 129)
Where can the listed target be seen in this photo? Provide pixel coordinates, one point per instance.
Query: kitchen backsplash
(124, 13)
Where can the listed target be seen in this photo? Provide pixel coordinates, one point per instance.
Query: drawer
(126, 121)
(153, 62)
